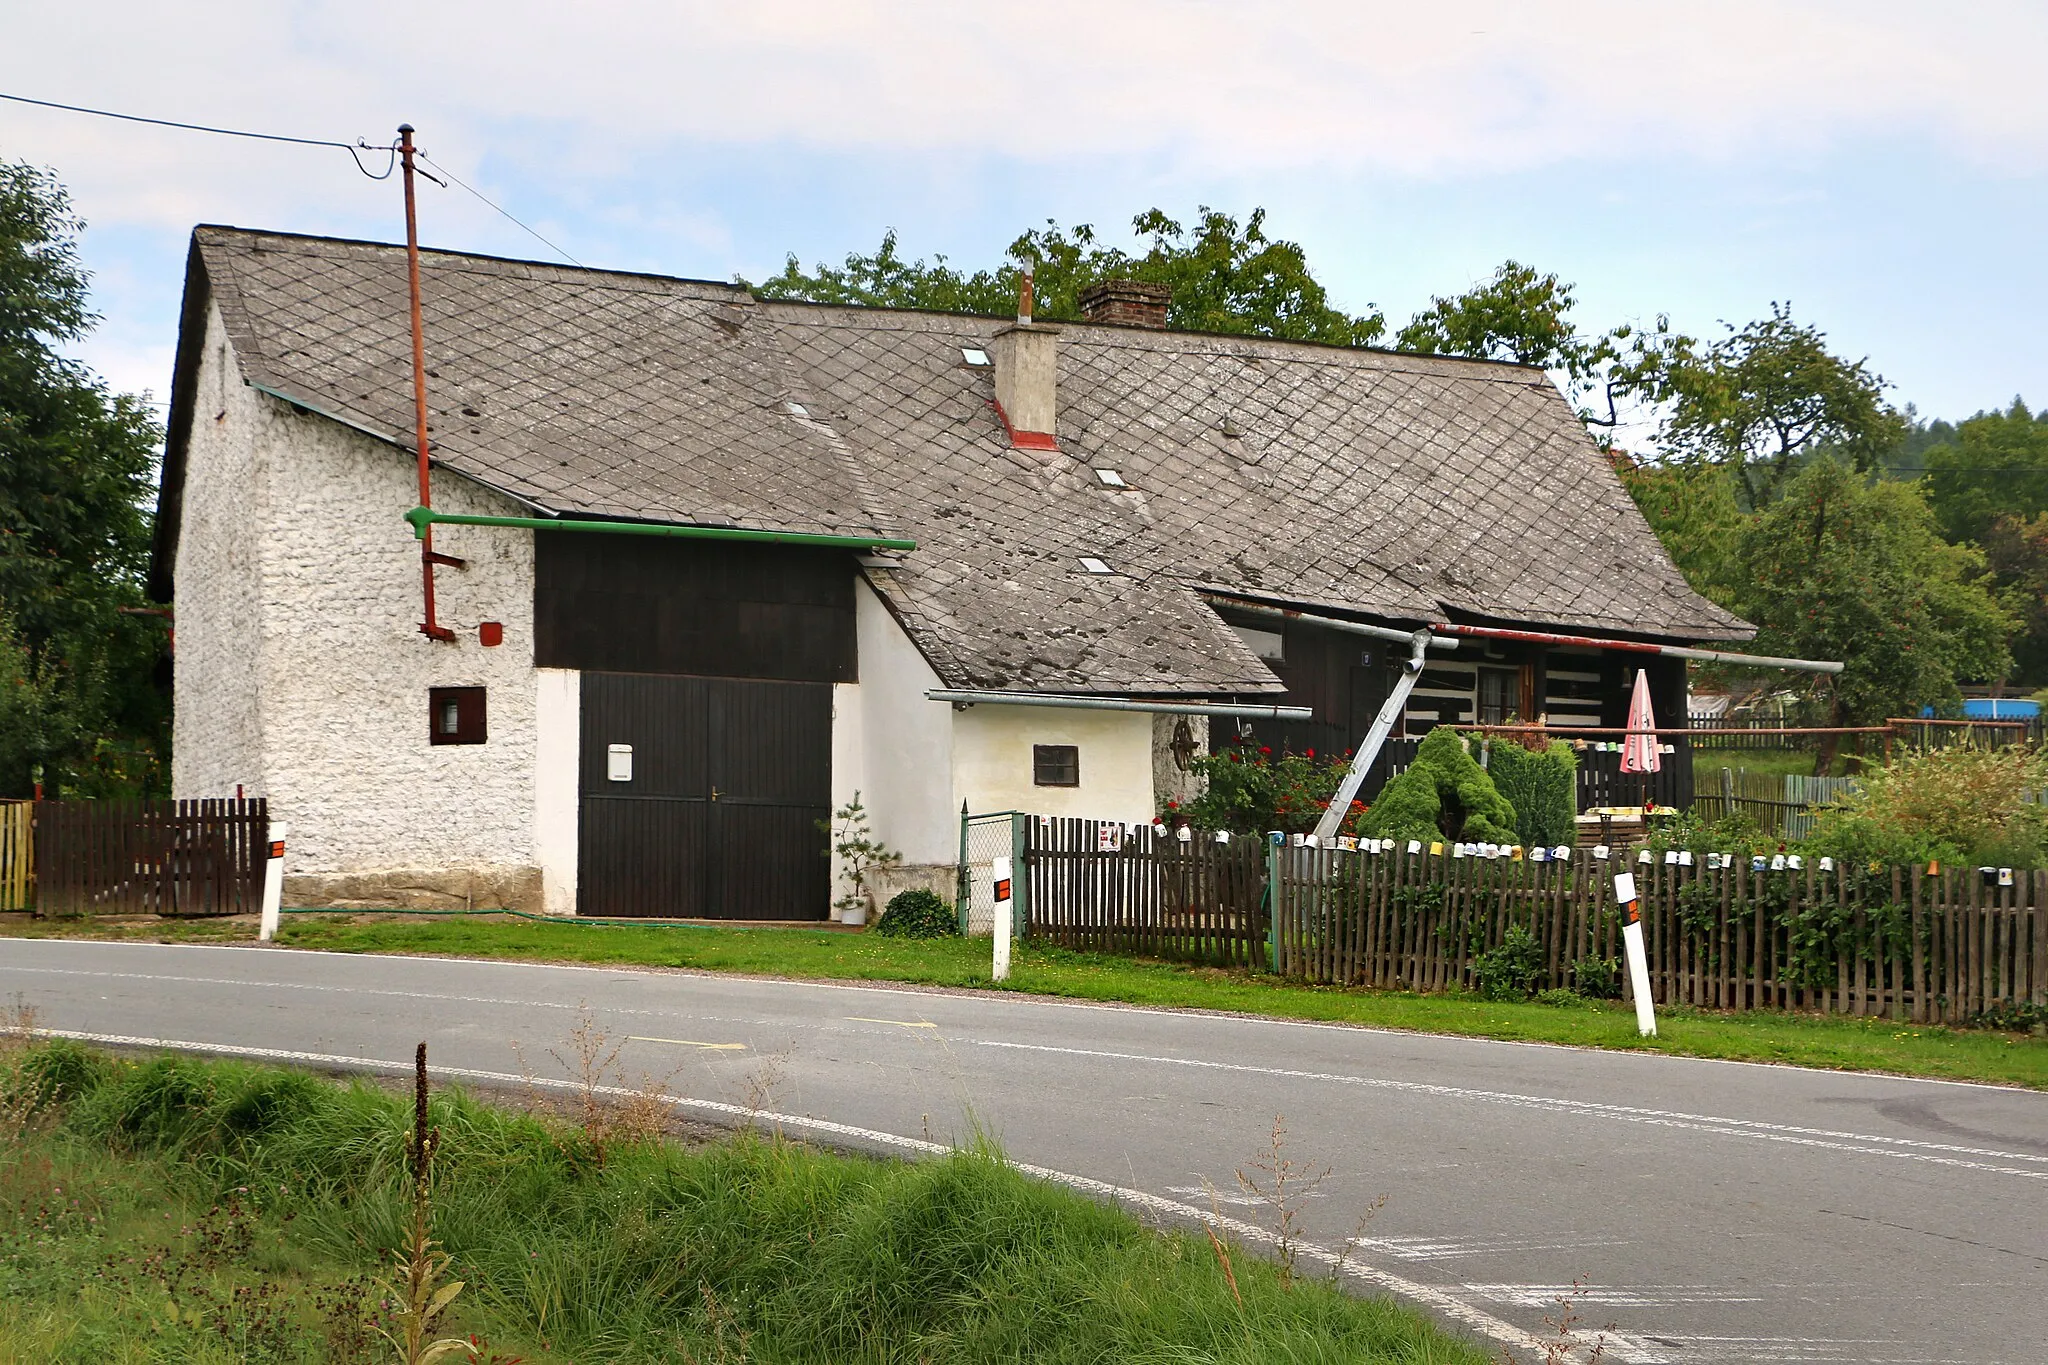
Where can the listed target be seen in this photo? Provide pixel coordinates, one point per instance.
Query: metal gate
(703, 798)
(983, 839)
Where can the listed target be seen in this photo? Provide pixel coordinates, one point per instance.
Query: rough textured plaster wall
(345, 671)
(216, 730)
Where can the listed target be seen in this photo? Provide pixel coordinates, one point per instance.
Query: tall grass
(752, 1248)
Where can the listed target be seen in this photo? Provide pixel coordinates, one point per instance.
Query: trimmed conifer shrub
(1445, 794)
(1543, 787)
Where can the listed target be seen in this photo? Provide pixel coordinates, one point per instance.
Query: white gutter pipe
(1399, 637)
(971, 696)
(1711, 656)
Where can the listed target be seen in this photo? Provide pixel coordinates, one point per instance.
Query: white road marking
(1437, 1249)
(1024, 1000)
(685, 1042)
(1589, 1296)
(1447, 1304)
(1827, 1139)
(1239, 1198)
(1704, 1123)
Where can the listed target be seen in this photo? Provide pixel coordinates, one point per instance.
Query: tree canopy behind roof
(1226, 276)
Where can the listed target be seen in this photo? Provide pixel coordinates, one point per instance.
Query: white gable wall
(216, 726)
(300, 668)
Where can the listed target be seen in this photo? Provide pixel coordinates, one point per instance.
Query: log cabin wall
(1345, 680)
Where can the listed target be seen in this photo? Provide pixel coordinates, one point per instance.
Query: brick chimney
(1130, 302)
(1026, 356)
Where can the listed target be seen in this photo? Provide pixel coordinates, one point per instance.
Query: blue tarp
(1995, 708)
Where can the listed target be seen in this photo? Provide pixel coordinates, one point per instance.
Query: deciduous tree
(1995, 465)
(1765, 398)
(79, 694)
(1841, 567)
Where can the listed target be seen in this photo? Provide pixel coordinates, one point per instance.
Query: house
(754, 557)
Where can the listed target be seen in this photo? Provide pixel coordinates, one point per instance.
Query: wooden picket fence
(1782, 804)
(1895, 942)
(150, 857)
(17, 820)
(1100, 886)
(1953, 946)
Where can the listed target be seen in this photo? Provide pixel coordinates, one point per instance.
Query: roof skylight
(799, 410)
(1109, 478)
(974, 355)
(1094, 565)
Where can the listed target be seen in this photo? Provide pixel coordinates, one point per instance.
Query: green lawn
(170, 1209)
(1707, 764)
(1836, 1043)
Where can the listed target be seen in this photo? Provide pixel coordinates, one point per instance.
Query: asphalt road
(1716, 1212)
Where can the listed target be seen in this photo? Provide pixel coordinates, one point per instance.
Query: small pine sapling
(859, 853)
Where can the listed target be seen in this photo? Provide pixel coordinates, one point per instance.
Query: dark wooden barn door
(719, 819)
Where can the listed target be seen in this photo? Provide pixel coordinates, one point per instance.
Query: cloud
(587, 91)
(678, 136)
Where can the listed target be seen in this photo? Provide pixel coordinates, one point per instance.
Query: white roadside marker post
(1638, 961)
(273, 882)
(1004, 902)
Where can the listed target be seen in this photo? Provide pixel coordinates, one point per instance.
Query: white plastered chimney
(1026, 356)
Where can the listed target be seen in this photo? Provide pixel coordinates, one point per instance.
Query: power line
(485, 199)
(352, 148)
(172, 123)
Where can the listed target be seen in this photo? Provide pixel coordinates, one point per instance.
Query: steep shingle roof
(1394, 485)
(578, 390)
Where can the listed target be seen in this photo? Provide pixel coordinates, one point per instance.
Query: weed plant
(918, 913)
(748, 1249)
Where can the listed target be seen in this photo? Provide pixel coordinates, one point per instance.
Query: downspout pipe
(970, 696)
(1283, 614)
(424, 517)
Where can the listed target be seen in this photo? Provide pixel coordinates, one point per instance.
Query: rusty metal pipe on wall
(429, 627)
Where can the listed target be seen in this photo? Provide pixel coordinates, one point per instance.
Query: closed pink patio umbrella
(1640, 753)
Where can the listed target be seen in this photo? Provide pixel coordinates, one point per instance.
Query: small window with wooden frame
(1056, 765)
(455, 715)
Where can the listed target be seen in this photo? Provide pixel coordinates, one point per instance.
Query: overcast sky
(1878, 164)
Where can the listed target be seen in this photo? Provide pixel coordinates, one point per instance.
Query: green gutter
(422, 517)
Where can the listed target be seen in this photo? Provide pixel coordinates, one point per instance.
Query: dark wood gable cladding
(1345, 680)
(726, 609)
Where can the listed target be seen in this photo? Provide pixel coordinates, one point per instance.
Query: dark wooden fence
(1896, 942)
(150, 857)
(1104, 887)
(1960, 945)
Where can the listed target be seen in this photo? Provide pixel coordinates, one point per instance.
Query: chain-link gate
(983, 839)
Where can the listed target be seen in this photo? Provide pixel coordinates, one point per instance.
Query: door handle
(714, 793)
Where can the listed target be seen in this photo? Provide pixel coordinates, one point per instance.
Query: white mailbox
(618, 762)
